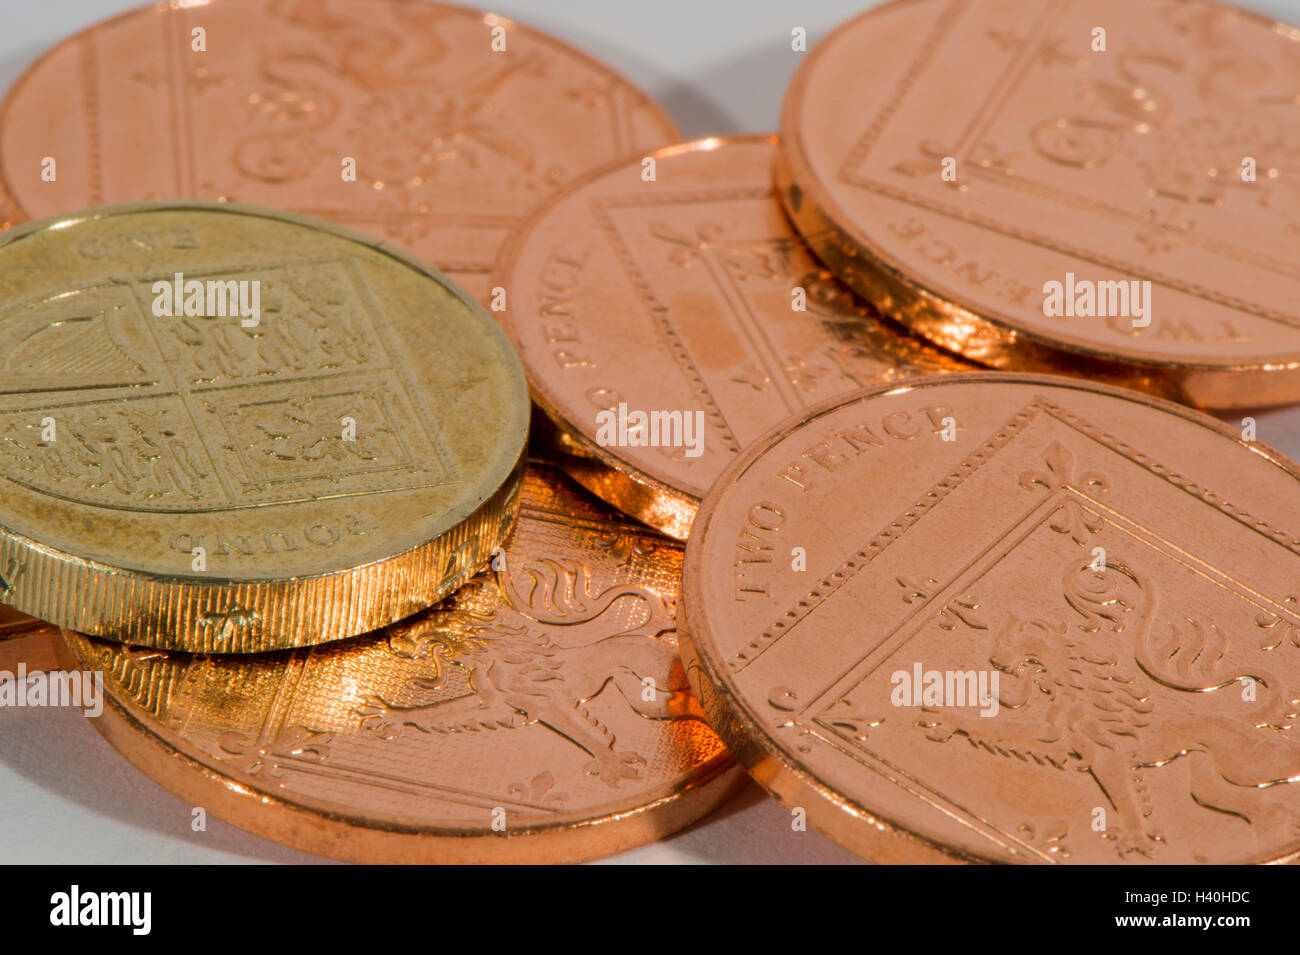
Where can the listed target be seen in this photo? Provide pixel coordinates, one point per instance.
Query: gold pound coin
(541, 714)
(228, 429)
(1008, 618)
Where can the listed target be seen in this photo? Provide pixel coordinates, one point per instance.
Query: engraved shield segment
(1143, 145)
(197, 412)
(76, 339)
(312, 322)
(282, 445)
(142, 454)
(727, 254)
(1133, 668)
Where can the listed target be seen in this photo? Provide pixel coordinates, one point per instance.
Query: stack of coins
(353, 429)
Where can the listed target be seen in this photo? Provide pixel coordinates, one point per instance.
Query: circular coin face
(230, 429)
(1008, 618)
(541, 714)
(1102, 188)
(430, 126)
(667, 318)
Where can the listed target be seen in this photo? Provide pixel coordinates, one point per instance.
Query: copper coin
(687, 297)
(1100, 188)
(1068, 634)
(455, 122)
(27, 641)
(539, 715)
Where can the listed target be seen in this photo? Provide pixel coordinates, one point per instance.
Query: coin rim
(356, 837)
(158, 607)
(612, 478)
(994, 337)
(845, 819)
(15, 214)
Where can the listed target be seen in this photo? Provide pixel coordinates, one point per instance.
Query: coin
(27, 641)
(539, 715)
(1069, 634)
(686, 298)
(431, 126)
(224, 428)
(1098, 188)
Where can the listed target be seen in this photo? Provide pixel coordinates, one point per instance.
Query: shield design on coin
(176, 412)
(1141, 690)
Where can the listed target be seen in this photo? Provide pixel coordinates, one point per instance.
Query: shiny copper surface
(457, 121)
(686, 294)
(539, 715)
(26, 640)
(1162, 150)
(1067, 635)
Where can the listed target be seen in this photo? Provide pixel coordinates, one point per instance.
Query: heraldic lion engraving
(520, 675)
(1094, 686)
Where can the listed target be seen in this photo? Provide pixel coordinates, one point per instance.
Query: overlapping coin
(228, 429)
(1097, 188)
(539, 715)
(431, 126)
(1008, 618)
(26, 641)
(667, 315)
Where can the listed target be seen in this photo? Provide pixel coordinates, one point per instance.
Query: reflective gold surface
(1067, 635)
(194, 482)
(539, 715)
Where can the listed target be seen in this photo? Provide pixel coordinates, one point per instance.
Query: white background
(717, 66)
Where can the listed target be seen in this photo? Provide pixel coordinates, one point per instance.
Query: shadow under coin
(752, 828)
(59, 752)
